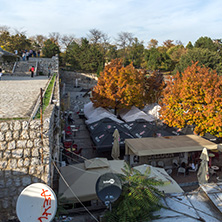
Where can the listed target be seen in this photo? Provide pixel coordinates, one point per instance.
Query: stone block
(29, 144)
(25, 125)
(17, 181)
(35, 161)
(16, 135)
(17, 125)
(7, 154)
(12, 191)
(5, 203)
(1, 154)
(8, 182)
(35, 152)
(3, 145)
(8, 136)
(26, 162)
(21, 143)
(24, 135)
(8, 173)
(37, 142)
(2, 136)
(35, 124)
(32, 170)
(40, 169)
(20, 162)
(26, 180)
(18, 153)
(32, 134)
(27, 152)
(2, 184)
(12, 164)
(4, 127)
(3, 164)
(11, 145)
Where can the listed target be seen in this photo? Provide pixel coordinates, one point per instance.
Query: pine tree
(139, 198)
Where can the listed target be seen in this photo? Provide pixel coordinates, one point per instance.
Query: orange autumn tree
(194, 98)
(119, 87)
(154, 85)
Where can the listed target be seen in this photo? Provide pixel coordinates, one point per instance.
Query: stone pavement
(19, 94)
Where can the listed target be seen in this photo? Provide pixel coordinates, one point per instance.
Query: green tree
(194, 98)
(205, 43)
(50, 49)
(139, 198)
(205, 57)
(153, 59)
(136, 53)
(189, 45)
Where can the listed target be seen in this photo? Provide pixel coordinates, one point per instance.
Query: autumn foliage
(119, 87)
(194, 98)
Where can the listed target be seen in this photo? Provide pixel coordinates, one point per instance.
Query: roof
(168, 144)
(189, 207)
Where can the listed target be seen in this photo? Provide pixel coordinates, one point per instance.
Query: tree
(154, 85)
(189, 45)
(152, 43)
(50, 49)
(153, 58)
(119, 87)
(194, 98)
(204, 57)
(136, 53)
(168, 43)
(139, 198)
(205, 43)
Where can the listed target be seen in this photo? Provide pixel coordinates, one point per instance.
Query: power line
(73, 192)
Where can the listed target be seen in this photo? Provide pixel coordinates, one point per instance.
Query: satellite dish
(108, 188)
(37, 202)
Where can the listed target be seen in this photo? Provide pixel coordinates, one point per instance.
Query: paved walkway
(19, 94)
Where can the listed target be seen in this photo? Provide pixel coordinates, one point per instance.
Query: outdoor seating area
(70, 149)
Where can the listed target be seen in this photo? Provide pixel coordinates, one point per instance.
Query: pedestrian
(38, 53)
(27, 56)
(32, 70)
(0, 73)
(23, 56)
(49, 72)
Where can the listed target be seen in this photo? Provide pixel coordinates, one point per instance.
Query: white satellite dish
(37, 202)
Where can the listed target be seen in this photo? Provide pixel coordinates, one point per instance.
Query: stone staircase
(22, 67)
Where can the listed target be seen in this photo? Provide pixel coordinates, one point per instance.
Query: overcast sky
(184, 20)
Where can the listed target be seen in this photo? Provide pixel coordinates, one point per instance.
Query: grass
(46, 98)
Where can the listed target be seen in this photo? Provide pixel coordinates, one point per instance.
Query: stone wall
(25, 158)
(44, 63)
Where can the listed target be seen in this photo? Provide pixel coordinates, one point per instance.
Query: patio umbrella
(115, 150)
(202, 173)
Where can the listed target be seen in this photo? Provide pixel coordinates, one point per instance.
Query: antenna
(108, 188)
(37, 202)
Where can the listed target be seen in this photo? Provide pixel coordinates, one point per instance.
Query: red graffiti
(46, 203)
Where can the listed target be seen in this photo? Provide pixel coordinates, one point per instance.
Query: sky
(182, 20)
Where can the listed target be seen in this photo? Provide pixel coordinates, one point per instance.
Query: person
(32, 71)
(23, 56)
(0, 73)
(49, 72)
(38, 53)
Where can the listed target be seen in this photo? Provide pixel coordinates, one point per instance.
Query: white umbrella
(115, 150)
(202, 173)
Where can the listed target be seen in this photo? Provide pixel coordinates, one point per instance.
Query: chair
(160, 164)
(181, 170)
(175, 163)
(195, 169)
(153, 163)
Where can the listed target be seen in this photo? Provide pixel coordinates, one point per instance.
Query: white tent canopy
(95, 114)
(133, 114)
(169, 186)
(153, 110)
(82, 178)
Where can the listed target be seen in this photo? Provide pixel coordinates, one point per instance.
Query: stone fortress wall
(24, 157)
